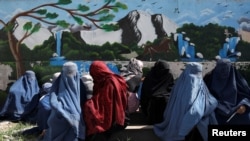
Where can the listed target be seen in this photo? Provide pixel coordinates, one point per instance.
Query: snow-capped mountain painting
(137, 26)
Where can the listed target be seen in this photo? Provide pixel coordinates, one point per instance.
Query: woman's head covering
(55, 76)
(226, 83)
(45, 89)
(46, 86)
(135, 66)
(98, 70)
(109, 101)
(88, 85)
(65, 106)
(190, 105)
(132, 73)
(222, 84)
(23, 97)
(158, 80)
(31, 76)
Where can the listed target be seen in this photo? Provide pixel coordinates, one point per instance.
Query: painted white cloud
(186, 17)
(245, 26)
(228, 14)
(206, 12)
(185, 22)
(244, 23)
(215, 20)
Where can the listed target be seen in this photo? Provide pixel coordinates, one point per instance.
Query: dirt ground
(13, 135)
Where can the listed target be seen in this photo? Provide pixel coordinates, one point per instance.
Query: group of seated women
(71, 107)
(195, 100)
(94, 106)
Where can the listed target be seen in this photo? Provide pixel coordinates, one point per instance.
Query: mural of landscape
(43, 34)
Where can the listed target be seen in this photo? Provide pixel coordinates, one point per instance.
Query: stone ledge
(135, 133)
(137, 127)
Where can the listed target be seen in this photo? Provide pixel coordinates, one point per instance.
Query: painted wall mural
(43, 34)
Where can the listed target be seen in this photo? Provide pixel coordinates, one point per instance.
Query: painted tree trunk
(14, 47)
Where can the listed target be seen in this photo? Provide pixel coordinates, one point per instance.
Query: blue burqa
(190, 106)
(43, 108)
(231, 90)
(22, 98)
(65, 122)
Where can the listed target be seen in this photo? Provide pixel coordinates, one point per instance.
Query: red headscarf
(109, 101)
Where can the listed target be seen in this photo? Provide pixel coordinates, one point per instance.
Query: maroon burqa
(109, 101)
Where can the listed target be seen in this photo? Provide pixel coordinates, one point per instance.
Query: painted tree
(98, 17)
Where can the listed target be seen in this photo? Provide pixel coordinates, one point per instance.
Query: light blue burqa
(22, 98)
(190, 105)
(65, 122)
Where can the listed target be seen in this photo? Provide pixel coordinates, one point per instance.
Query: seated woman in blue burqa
(65, 122)
(190, 108)
(22, 99)
(232, 92)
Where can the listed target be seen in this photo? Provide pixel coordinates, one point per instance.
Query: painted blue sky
(199, 12)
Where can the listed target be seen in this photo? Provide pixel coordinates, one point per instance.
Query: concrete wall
(177, 67)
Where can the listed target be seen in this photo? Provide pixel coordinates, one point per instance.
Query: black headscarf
(158, 80)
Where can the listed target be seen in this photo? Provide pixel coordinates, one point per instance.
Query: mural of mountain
(140, 27)
(136, 27)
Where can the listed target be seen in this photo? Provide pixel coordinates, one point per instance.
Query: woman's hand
(241, 109)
